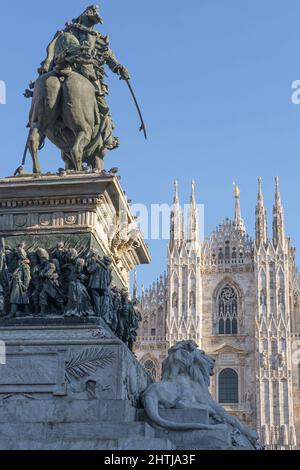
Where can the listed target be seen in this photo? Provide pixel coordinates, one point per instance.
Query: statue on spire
(238, 221)
(260, 218)
(278, 217)
(176, 219)
(236, 190)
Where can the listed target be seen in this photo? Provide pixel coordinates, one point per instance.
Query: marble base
(70, 386)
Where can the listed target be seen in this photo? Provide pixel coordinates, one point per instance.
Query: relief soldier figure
(94, 268)
(50, 288)
(100, 279)
(59, 257)
(134, 325)
(68, 284)
(2, 301)
(115, 308)
(20, 281)
(125, 319)
(105, 289)
(5, 273)
(36, 282)
(78, 303)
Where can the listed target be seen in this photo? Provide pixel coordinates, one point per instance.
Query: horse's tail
(151, 402)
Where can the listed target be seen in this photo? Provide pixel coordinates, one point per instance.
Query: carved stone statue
(248, 399)
(69, 99)
(263, 360)
(185, 385)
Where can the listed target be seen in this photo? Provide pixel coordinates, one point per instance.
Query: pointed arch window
(227, 312)
(150, 368)
(228, 386)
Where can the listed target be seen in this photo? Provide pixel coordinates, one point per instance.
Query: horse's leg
(78, 113)
(82, 140)
(98, 164)
(35, 140)
(68, 161)
(43, 114)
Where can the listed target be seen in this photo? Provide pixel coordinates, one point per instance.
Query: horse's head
(90, 17)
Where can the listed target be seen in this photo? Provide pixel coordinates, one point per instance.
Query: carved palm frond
(87, 362)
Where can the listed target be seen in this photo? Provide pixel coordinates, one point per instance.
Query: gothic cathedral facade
(237, 298)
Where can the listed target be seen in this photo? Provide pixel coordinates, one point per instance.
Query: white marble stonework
(262, 278)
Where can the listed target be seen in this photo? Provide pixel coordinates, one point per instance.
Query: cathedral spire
(192, 223)
(278, 220)
(176, 224)
(260, 217)
(238, 221)
(176, 193)
(193, 195)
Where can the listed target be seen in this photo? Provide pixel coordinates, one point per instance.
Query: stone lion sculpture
(185, 385)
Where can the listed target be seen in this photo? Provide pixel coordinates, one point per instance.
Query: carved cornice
(49, 202)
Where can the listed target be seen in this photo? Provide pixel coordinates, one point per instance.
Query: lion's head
(186, 359)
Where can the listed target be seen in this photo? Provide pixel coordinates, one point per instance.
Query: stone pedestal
(80, 361)
(71, 387)
(83, 210)
(68, 381)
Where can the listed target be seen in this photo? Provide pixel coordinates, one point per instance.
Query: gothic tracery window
(227, 312)
(149, 367)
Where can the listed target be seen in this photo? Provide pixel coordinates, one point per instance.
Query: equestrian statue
(69, 104)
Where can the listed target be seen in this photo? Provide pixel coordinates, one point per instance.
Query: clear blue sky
(214, 81)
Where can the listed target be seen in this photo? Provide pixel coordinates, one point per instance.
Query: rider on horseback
(81, 50)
